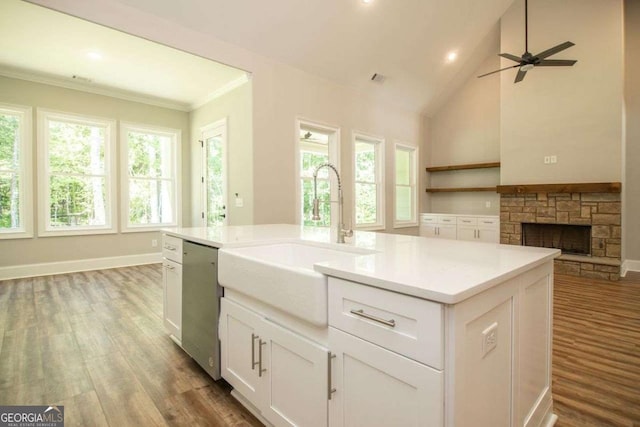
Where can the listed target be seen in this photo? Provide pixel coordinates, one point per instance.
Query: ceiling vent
(378, 78)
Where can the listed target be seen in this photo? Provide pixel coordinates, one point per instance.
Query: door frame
(213, 127)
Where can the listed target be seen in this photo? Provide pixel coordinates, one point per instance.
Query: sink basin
(282, 276)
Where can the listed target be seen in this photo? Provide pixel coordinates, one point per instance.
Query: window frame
(379, 149)
(334, 158)
(176, 135)
(413, 175)
(25, 172)
(110, 174)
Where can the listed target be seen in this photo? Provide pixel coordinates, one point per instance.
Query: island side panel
(498, 357)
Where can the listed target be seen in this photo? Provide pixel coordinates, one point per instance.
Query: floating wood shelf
(462, 167)
(590, 187)
(459, 189)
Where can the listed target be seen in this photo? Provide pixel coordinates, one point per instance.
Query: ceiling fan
(527, 61)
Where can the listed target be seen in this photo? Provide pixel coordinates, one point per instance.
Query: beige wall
(574, 113)
(52, 249)
(235, 107)
(467, 130)
(280, 95)
(631, 194)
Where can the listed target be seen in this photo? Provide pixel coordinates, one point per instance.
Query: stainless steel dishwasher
(201, 306)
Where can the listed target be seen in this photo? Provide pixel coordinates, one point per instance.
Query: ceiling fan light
(526, 67)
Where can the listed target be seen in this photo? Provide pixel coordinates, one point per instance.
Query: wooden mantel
(589, 187)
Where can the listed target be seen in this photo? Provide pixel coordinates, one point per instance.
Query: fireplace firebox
(571, 239)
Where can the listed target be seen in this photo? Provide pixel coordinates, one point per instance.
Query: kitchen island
(403, 330)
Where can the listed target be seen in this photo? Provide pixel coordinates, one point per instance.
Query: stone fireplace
(592, 249)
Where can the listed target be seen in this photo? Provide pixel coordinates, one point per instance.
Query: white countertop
(442, 270)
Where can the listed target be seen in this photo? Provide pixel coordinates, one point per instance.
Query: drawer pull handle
(361, 313)
(330, 388)
(254, 337)
(261, 370)
(170, 247)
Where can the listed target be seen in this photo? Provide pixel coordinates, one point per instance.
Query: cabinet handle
(361, 313)
(254, 337)
(330, 389)
(487, 222)
(260, 369)
(478, 234)
(170, 247)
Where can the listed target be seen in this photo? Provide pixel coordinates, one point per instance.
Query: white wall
(574, 112)
(235, 107)
(280, 94)
(467, 130)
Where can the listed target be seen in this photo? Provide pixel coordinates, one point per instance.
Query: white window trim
(222, 126)
(334, 158)
(26, 172)
(414, 194)
(379, 144)
(125, 127)
(44, 229)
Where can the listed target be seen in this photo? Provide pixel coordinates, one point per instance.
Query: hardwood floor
(94, 342)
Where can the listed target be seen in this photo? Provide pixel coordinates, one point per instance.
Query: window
(15, 172)
(150, 159)
(369, 182)
(77, 183)
(405, 188)
(317, 145)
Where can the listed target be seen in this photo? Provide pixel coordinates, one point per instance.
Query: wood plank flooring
(95, 343)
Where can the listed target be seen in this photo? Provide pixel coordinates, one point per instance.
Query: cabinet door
(466, 233)
(239, 350)
(376, 387)
(297, 376)
(428, 230)
(489, 234)
(172, 307)
(447, 231)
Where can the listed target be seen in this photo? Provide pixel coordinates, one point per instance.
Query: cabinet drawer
(172, 248)
(446, 219)
(467, 220)
(488, 222)
(406, 325)
(428, 219)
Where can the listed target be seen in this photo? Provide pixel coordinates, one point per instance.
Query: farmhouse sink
(282, 275)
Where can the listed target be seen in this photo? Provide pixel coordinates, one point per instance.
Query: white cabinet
(481, 229)
(439, 226)
(172, 285)
(376, 387)
(281, 373)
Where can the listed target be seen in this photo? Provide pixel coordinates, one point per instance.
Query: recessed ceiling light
(452, 56)
(366, 1)
(96, 56)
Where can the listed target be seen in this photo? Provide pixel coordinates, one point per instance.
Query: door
(297, 374)
(376, 387)
(172, 281)
(214, 174)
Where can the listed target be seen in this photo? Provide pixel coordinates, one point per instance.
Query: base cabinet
(376, 387)
(281, 373)
(172, 307)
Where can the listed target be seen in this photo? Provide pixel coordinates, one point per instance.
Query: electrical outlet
(489, 338)
(154, 243)
(553, 159)
(547, 160)
(487, 204)
(239, 202)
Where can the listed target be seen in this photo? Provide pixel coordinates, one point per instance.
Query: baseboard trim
(629, 265)
(62, 267)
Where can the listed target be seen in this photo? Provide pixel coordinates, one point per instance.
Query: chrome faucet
(342, 231)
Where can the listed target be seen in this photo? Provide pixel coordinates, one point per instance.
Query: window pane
(150, 155)
(307, 203)
(365, 162)
(311, 160)
(367, 203)
(403, 167)
(150, 202)
(403, 204)
(215, 182)
(76, 148)
(77, 201)
(9, 201)
(9, 142)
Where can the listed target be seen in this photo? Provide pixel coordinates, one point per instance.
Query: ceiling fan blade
(554, 50)
(520, 76)
(511, 57)
(501, 69)
(556, 63)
